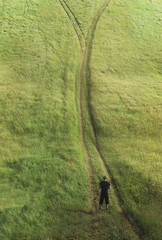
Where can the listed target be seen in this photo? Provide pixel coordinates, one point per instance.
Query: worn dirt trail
(84, 77)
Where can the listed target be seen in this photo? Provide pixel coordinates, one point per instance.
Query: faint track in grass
(74, 23)
(79, 81)
(76, 20)
(84, 77)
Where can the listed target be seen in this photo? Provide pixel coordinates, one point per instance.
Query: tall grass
(126, 104)
(43, 175)
(44, 184)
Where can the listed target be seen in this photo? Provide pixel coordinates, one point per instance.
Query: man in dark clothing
(104, 185)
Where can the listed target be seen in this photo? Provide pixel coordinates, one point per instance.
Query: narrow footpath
(83, 81)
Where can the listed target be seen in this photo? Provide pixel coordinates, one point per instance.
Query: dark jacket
(104, 185)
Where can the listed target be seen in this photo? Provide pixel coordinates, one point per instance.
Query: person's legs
(107, 202)
(101, 201)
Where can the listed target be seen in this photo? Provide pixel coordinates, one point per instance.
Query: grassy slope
(41, 160)
(126, 103)
(41, 163)
(114, 224)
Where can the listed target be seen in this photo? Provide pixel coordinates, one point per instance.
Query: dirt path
(84, 76)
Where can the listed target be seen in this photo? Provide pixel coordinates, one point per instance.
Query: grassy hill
(126, 105)
(50, 165)
(41, 162)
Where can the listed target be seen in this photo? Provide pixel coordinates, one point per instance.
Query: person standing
(105, 186)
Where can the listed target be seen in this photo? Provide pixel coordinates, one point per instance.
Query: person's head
(104, 178)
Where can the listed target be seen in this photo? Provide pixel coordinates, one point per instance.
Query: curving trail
(74, 22)
(83, 100)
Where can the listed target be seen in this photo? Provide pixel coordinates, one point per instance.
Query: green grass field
(41, 159)
(126, 104)
(45, 187)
